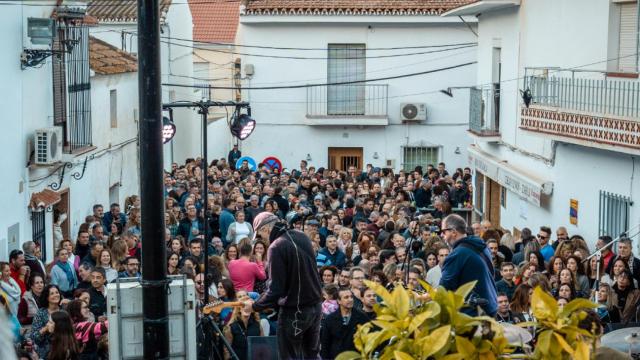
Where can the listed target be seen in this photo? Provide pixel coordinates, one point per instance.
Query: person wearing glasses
(546, 249)
(469, 260)
(132, 268)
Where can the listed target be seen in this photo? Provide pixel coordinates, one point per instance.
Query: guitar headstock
(216, 307)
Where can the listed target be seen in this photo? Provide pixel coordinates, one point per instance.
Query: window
(113, 107)
(419, 156)
(346, 62)
(71, 86)
(628, 37)
(614, 214)
(38, 231)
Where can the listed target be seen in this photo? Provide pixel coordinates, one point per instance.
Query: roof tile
(121, 10)
(106, 59)
(351, 7)
(215, 20)
(44, 199)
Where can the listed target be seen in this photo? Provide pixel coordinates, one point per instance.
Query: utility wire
(328, 84)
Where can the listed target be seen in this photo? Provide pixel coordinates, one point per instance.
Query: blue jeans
(299, 334)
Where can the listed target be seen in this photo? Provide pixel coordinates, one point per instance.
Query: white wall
(564, 34)
(281, 113)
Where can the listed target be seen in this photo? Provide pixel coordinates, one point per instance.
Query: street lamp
(242, 125)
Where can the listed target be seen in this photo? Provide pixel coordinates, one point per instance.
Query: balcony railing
(601, 96)
(484, 111)
(357, 100)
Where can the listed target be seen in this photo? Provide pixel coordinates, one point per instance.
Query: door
(492, 206)
(63, 208)
(341, 158)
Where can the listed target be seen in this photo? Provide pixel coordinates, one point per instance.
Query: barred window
(419, 156)
(346, 62)
(38, 231)
(614, 214)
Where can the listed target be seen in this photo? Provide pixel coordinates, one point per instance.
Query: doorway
(340, 158)
(493, 200)
(63, 208)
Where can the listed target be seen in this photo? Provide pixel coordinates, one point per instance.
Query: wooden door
(341, 158)
(492, 205)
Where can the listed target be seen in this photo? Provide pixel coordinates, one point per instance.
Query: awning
(481, 6)
(44, 199)
(527, 186)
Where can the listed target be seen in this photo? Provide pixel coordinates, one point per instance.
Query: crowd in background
(371, 224)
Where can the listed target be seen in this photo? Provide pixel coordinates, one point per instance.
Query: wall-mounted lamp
(308, 157)
(526, 97)
(375, 155)
(449, 91)
(457, 151)
(42, 31)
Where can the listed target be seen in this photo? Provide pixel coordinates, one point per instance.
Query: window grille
(614, 214)
(419, 156)
(38, 230)
(346, 62)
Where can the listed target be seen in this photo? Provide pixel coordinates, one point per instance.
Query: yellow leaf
(349, 355)
(386, 318)
(464, 346)
(582, 352)
(576, 305)
(464, 290)
(380, 291)
(563, 343)
(435, 341)
(543, 305)
(401, 301)
(432, 309)
(453, 357)
(544, 342)
(400, 355)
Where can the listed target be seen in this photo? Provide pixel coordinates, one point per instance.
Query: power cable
(328, 84)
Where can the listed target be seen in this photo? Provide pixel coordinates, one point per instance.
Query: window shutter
(628, 47)
(346, 62)
(59, 81)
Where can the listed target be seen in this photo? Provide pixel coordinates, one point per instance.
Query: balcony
(484, 113)
(357, 104)
(584, 108)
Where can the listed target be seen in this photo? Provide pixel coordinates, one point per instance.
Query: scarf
(67, 271)
(11, 289)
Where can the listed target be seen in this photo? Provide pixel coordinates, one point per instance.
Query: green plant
(406, 329)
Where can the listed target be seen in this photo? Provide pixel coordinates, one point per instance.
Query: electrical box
(124, 311)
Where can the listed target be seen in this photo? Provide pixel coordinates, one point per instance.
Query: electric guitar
(217, 306)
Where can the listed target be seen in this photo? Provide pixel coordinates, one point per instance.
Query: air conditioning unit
(48, 145)
(413, 112)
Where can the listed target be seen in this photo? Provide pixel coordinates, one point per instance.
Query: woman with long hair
(628, 296)
(87, 332)
(259, 252)
(10, 287)
(134, 222)
(63, 341)
(226, 293)
(242, 324)
(178, 246)
(42, 328)
(521, 302)
(172, 264)
(607, 300)
(105, 260)
(68, 245)
(328, 274)
(30, 302)
(231, 253)
(574, 264)
(591, 270)
(555, 265)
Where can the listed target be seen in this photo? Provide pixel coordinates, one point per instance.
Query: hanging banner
(573, 211)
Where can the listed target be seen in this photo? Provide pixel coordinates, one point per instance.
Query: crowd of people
(372, 224)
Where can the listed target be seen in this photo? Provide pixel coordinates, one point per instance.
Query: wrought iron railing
(594, 94)
(366, 100)
(39, 232)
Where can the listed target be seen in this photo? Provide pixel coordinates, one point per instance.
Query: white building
(89, 109)
(574, 149)
(359, 123)
(117, 25)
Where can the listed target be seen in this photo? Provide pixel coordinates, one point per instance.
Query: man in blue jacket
(469, 260)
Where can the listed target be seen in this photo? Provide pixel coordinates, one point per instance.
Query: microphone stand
(598, 255)
(407, 261)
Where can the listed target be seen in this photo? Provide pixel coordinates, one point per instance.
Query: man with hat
(292, 267)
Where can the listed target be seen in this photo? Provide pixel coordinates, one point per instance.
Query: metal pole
(154, 270)
(204, 110)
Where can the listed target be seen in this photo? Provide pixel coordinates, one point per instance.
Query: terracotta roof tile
(351, 7)
(44, 199)
(121, 10)
(106, 59)
(215, 20)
